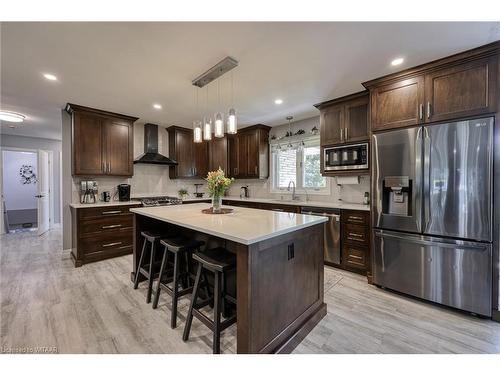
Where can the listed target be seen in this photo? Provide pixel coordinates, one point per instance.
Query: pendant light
(207, 125)
(197, 129)
(231, 119)
(289, 118)
(219, 122)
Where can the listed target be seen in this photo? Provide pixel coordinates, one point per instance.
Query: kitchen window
(298, 162)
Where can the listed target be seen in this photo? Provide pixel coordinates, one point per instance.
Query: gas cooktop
(160, 201)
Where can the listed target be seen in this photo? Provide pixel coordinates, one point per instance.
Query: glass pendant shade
(197, 132)
(231, 122)
(207, 129)
(219, 125)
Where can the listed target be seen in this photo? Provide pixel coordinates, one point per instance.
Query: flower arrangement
(217, 184)
(183, 193)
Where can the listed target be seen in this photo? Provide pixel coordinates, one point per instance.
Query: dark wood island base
(279, 284)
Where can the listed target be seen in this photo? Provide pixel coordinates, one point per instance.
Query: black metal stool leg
(164, 263)
(175, 292)
(189, 320)
(217, 312)
(151, 272)
(136, 280)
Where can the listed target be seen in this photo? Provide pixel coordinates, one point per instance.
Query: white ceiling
(126, 67)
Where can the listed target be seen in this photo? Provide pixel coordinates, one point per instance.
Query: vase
(216, 203)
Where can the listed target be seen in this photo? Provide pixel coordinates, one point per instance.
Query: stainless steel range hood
(151, 154)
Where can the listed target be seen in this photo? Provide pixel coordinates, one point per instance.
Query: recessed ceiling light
(11, 116)
(12, 126)
(278, 101)
(157, 106)
(397, 61)
(50, 77)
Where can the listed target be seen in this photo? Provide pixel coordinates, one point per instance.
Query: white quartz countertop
(310, 203)
(104, 204)
(243, 225)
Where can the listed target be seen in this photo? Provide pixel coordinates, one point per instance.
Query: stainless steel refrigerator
(432, 212)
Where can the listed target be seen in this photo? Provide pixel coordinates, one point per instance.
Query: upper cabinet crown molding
(102, 142)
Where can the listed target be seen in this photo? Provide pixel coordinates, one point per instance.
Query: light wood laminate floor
(46, 302)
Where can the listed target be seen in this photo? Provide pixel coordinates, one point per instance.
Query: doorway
(26, 190)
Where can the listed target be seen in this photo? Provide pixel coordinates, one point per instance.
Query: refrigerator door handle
(418, 179)
(427, 178)
(450, 244)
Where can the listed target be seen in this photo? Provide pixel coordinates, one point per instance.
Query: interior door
(458, 171)
(43, 194)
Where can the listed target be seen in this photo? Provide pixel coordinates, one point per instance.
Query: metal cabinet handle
(111, 212)
(428, 110)
(356, 218)
(111, 226)
(355, 256)
(346, 136)
(355, 239)
(421, 111)
(341, 134)
(277, 209)
(111, 244)
(256, 170)
(355, 235)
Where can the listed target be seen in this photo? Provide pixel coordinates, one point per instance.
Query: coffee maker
(88, 191)
(123, 192)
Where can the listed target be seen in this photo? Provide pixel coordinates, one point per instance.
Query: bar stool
(144, 268)
(217, 261)
(181, 248)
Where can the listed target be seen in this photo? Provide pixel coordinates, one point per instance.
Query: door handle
(39, 196)
(469, 246)
(428, 110)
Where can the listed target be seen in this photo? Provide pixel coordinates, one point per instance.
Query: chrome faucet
(294, 196)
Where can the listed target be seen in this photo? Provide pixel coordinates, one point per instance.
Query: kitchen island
(279, 267)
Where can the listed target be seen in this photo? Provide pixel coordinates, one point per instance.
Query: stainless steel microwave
(344, 158)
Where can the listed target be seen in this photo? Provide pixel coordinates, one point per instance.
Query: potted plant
(217, 184)
(183, 193)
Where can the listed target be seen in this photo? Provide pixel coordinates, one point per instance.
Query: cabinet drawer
(355, 234)
(104, 242)
(94, 212)
(354, 257)
(355, 217)
(106, 224)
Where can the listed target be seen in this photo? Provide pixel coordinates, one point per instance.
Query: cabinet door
(253, 154)
(184, 154)
(356, 120)
(460, 91)
(218, 155)
(118, 139)
(232, 152)
(397, 105)
(332, 125)
(88, 145)
(242, 147)
(200, 159)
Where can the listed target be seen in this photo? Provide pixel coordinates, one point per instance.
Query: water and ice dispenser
(397, 196)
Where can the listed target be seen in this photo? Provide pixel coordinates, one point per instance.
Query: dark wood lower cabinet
(355, 241)
(101, 232)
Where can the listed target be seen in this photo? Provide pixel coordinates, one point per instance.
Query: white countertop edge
(104, 204)
(320, 204)
(140, 211)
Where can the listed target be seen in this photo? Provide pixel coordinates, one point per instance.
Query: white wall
(33, 143)
(18, 196)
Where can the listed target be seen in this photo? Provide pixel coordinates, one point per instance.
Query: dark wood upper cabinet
(102, 142)
(232, 155)
(460, 91)
(249, 152)
(192, 158)
(344, 120)
(218, 154)
(458, 86)
(398, 104)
